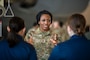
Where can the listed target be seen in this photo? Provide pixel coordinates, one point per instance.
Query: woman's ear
(22, 32)
(8, 29)
(24, 29)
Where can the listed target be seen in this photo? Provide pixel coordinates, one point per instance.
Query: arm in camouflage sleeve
(28, 37)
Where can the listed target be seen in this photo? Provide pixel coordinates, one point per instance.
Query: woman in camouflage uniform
(41, 36)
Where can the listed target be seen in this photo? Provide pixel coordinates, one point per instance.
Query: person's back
(14, 47)
(22, 51)
(77, 47)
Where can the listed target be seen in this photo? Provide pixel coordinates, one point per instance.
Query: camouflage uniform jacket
(42, 42)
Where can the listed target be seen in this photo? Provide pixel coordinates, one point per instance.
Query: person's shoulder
(62, 48)
(87, 35)
(63, 44)
(28, 45)
(3, 42)
(31, 29)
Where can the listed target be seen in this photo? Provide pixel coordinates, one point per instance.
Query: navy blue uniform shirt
(76, 48)
(22, 51)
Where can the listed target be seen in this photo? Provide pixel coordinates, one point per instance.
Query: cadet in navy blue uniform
(77, 47)
(14, 47)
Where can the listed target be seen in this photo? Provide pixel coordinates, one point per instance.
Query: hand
(30, 40)
(54, 39)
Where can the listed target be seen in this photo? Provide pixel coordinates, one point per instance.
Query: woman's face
(45, 22)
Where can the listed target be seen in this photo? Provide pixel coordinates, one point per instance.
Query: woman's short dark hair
(77, 23)
(15, 24)
(38, 16)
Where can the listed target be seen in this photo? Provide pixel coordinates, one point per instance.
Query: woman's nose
(46, 22)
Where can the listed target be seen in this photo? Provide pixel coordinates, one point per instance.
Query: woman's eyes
(43, 20)
(46, 20)
(49, 20)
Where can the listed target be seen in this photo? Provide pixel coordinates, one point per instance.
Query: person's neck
(20, 33)
(44, 30)
(71, 33)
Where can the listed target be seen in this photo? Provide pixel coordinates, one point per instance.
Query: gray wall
(60, 9)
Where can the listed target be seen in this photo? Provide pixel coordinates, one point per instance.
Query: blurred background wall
(61, 10)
